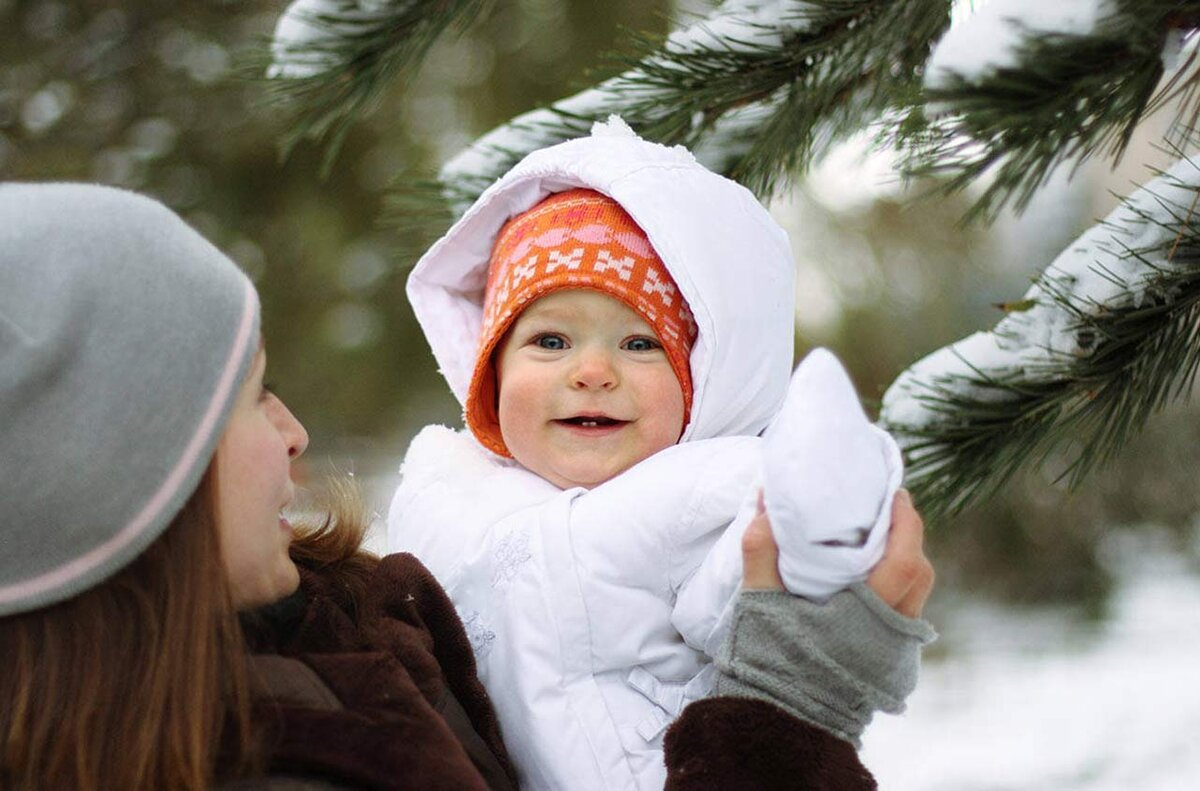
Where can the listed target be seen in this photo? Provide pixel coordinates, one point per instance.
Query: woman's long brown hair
(133, 684)
(333, 546)
(142, 681)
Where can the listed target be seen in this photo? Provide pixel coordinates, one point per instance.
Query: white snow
(991, 38)
(742, 26)
(308, 30)
(1031, 701)
(1102, 270)
(525, 133)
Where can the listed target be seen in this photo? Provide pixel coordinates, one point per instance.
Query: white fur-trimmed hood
(731, 262)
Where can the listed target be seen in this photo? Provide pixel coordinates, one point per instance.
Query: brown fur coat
(378, 690)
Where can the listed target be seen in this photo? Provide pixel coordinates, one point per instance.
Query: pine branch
(837, 67)
(1107, 336)
(1061, 97)
(758, 92)
(333, 59)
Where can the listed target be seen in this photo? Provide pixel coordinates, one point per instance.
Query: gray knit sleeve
(831, 664)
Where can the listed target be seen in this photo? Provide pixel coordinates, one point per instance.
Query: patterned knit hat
(574, 239)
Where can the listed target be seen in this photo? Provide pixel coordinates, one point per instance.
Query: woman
(144, 469)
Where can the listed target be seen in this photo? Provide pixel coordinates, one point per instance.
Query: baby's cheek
(667, 398)
(516, 426)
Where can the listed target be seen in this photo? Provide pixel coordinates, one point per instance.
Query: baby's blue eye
(642, 344)
(551, 342)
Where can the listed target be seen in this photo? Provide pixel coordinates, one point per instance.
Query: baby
(617, 321)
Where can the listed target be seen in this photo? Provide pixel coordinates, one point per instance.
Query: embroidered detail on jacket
(478, 634)
(510, 552)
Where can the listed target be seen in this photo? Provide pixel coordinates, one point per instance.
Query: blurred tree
(144, 96)
(153, 96)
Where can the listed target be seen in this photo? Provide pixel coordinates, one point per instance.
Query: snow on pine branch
(1024, 86)
(310, 36)
(737, 26)
(1101, 271)
(992, 37)
(1101, 340)
(743, 26)
(755, 89)
(331, 60)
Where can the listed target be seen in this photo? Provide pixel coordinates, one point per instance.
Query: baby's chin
(581, 481)
(583, 477)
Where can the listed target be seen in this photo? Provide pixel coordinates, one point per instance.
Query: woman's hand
(903, 578)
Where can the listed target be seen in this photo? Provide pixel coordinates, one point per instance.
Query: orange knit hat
(574, 239)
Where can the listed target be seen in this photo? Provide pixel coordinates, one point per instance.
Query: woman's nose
(594, 371)
(294, 435)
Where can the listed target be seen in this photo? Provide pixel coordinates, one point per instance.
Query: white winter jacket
(593, 613)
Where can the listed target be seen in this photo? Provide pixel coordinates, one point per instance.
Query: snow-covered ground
(1026, 701)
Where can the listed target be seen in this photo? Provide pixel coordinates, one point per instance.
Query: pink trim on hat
(169, 488)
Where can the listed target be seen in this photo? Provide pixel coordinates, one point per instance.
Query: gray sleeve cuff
(831, 664)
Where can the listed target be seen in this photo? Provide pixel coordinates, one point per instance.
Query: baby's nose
(595, 370)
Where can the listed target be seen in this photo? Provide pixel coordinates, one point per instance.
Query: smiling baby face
(585, 389)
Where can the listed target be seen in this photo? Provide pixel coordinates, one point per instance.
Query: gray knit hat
(124, 339)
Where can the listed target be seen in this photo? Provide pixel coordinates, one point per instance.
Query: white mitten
(829, 477)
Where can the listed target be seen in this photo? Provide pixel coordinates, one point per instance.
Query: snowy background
(1024, 701)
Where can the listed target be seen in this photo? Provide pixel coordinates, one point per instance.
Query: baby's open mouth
(592, 421)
